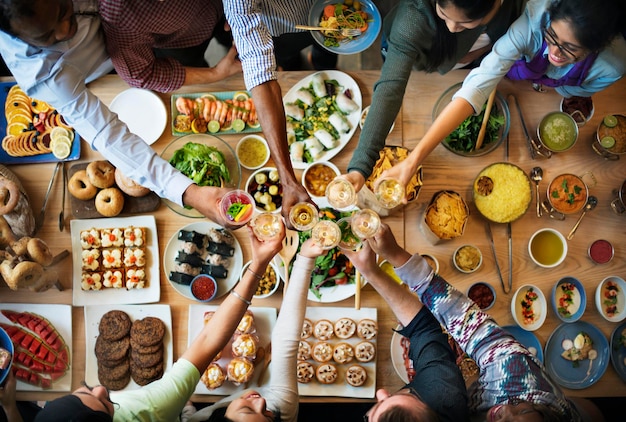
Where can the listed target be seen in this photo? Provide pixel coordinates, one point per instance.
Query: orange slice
(16, 129)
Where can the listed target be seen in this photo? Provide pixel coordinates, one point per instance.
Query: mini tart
(213, 377)
(345, 328)
(135, 278)
(91, 281)
(322, 352)
(240, 370)
(134, 257)
(326, 373)
(112, 258)
(305, 372)
(356, 375)
(323, 330)
(134, 237)
(90, 259)
(343, 353)
(245, 345)
(307, 329)
(90, 239)
(113, 279)
(112, 238)
(246, 325)
(365, 351)
(367, 329)
(304, 350)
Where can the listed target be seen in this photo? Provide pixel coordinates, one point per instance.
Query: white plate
(346, 82)
(174, 245)
(107, 296)
(341, 388)
(397, 357)
(61, 317)
(264, 320)
(93, 314)
(143, 112)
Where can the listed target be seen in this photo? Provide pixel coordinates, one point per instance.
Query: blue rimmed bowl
(7, 344)
(569, 299)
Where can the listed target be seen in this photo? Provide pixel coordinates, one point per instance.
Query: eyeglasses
(549, 35)
(407, 391)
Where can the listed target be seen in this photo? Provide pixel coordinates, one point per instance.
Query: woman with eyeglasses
(512, 384)
(573, 46)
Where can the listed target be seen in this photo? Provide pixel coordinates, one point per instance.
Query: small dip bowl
(467, 258)
(268, 284)
(483, 294)
(203, 288)
(252, 152)
(567, 193)
(611, 298)
(529, 307)
(547, 248)
(265, 187)
(317, 176)
(432, 261)
(601, 251)
(558, 131)
(569, 299)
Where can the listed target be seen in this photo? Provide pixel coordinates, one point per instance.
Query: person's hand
(356, 179)
(7, 392)
(264, 250)
(206, 200)
(292, 194)
(364, 259)
(402, 172)
(311, 249)
(384, 244)
(229, 64)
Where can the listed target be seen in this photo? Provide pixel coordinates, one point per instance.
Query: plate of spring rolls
(323, 111)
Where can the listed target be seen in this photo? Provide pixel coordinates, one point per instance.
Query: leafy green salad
(203, 164)
(463, 138)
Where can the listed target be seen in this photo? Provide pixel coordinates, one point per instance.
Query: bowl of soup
(558, 131)
(547, 248)
(569, 299)
(568, 193)
(317, 176)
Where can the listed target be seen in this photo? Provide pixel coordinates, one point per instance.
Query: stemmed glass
(389, 193)
(340, 193)
(303, 216)
(326, 234)
(349, 241)
(237, 207)
(266, 225)
(365, 223)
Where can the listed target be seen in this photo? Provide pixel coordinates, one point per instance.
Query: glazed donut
(101, 174)
(80, 187)
(129, 186)
(39, 251)
(9, 195)
(109, 202)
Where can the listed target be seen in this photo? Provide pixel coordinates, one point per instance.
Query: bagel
(20, 246)
(39, 251)
(24, 274)
(6, 234)
(9, 195)
(110, 202)
(129, 186)
(80, 187)
(101, 174)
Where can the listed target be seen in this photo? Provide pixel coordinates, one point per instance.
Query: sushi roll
(318, 84)
(325, 138)
(192, 236)
(217, 259)
(314, 147)
(220, 236)
(293, 111)
(192, 259)
(296, 150)
(345, 103)
(305, 96)
(339, 122)
(216, 271)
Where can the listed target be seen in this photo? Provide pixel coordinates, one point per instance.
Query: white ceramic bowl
(529, 318)
(569, 312)
(464, 262)
(308, 174)
(276, 278)
(263, 149)
(547, 239)
(254, 189)
(611, 291)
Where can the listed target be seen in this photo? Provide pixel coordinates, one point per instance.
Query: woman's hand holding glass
(264, 250)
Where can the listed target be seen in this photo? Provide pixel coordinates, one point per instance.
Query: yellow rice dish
(502, 192)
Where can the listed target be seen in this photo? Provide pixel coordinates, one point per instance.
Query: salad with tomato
(331, 269)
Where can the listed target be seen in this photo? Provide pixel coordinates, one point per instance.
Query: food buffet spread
(156, 249)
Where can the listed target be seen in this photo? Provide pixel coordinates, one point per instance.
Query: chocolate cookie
(114, 372)
(109, 363)
(148, 331)
(112, 350)
(134, 345)
(114, 325)
(146, 360)
(144, 376)
(114, 385)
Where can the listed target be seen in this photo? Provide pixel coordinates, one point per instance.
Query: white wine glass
(326, 234)
(303, 216)
(340, 193)
(349, 241)
(365, 223)
(266, 225)
(389, 193)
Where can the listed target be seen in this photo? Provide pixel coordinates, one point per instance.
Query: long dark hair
(595, 23)
(444, 42)
(219, 415)
(11, 9)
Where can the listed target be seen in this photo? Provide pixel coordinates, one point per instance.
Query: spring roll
(325, 138)
(296, 150)
(293, 111)
(305, 96)
(339, 122)
(345, 103)
(291, 133)
(314, 147)
(319, 86)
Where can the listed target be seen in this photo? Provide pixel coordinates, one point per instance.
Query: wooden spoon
(483, 127)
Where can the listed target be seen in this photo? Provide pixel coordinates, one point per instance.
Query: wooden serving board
(132, 205)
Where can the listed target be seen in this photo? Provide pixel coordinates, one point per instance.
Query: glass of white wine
(340, 193)
(326, 234)
(389, 193)
(349, 241)
(365, 223)
(266, 225)
(303, 216)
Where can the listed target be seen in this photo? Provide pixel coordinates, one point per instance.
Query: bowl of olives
(265, 187)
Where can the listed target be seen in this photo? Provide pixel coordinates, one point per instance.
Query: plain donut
(80, 187)
(9, 195)
(129, 186)
(110, 202)
(101, 174)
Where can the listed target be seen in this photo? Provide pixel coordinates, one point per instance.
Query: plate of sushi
(203, 248)
(323, 111)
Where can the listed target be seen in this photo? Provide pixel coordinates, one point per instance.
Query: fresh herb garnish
(464, 137)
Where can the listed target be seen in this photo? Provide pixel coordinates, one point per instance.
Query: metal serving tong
(533, 146)
(495, 258)
(40, 218)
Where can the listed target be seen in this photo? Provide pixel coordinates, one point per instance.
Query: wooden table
(442, 170)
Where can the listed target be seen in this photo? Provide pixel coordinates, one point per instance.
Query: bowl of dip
(567, 193)
(601, 251)
(467, 258)
(569, 299)
(558, 131)
(203, 287)
(252, 152)
(611, 298)
(610, 138)
(483, 294)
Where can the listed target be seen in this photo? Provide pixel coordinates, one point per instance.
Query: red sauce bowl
(482, 294)
(203, 287)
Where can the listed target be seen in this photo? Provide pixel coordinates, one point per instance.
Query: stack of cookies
(146, 341)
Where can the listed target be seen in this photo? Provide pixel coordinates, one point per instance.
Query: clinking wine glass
(365, 223)
(303, 216)
(340, 193)
(349, 241)
(266, 225)
(390, 193)
(326, 234)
